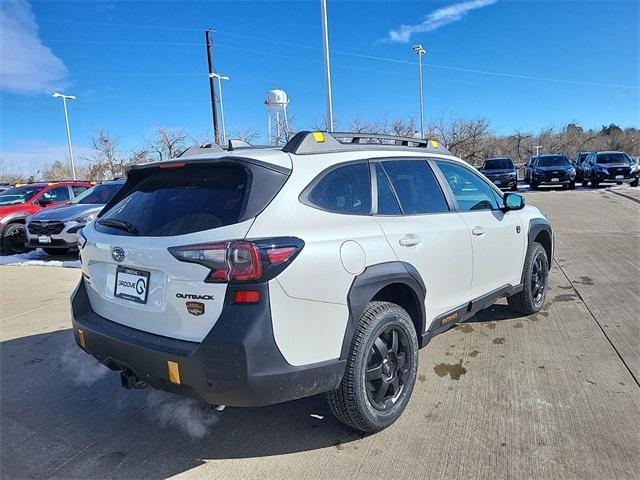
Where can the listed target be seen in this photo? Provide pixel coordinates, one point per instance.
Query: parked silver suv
(55, 229)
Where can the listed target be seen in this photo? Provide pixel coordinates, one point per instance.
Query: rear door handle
(478, 231)
(410, 240)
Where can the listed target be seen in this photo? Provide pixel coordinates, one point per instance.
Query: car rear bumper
(237, 364)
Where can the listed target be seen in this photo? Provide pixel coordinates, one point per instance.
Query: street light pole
(66, 119)
(327, 64)
(220, 78)
(538, 147)
(420, 51)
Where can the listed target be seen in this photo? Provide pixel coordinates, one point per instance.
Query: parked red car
(17, 203)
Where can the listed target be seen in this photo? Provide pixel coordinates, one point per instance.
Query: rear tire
(535, 281)
(634, 183)
(13, 239)
(54, 252)
(381, 369)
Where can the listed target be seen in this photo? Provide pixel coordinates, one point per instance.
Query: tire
(634, 183)
(514, 188)
(354, 401)
(54, 252)
(534, 186)
(572, 185)
(594, 184)
(13, 239)
(531, 298)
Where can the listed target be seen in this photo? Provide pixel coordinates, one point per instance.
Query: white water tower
(276, 102)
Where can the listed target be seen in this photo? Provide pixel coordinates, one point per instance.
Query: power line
(517, 76)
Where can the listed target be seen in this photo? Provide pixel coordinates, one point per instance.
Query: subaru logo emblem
(118, 254)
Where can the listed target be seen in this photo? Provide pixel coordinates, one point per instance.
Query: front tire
(381, 369)
(634, 183)
(535, 281)
(13, 239)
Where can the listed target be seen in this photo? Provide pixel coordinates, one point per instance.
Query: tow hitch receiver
(129, 380)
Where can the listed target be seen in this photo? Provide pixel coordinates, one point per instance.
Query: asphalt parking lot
(554, 395)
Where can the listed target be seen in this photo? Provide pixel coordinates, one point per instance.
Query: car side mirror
(513, 201)
(44, 201)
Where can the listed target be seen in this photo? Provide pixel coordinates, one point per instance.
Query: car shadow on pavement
(65, 415)
(495, 312)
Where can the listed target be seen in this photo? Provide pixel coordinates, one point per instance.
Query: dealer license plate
(132, 284)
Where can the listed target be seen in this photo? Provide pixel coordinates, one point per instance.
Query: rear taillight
(242, 260)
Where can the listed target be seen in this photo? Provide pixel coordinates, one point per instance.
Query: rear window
(498, 164)
(172, 201)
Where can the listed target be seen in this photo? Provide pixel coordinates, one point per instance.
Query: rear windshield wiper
(119, 224)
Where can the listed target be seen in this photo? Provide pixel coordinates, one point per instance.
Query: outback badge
(195, 308)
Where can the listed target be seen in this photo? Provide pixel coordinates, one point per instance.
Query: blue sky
(136, 65)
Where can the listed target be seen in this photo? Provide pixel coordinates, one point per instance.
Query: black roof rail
(306, 143)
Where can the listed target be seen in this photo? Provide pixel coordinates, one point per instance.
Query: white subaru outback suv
(247, 277)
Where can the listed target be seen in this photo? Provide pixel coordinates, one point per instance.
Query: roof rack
(305, 143)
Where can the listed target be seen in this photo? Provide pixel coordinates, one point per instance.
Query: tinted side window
(344, 189)
(470, 191)
(78, 189)
(387, 202)
(416, 186)
(58, 194)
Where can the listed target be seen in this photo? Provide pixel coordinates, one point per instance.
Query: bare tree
(168, 143)
(245, 133)
(108, 162)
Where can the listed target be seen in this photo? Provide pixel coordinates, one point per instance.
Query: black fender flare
(537, 225)
(373, 279)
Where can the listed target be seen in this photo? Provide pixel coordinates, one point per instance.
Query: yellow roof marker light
(174, 372)
(435, 144)
(319, 137)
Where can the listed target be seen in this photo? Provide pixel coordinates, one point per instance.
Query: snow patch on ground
(39, 258)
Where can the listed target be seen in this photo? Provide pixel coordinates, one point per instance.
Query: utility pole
(538, 147)
(66, 119)
(220, 78)
(327, 65)
(420, 51)
(212, 90)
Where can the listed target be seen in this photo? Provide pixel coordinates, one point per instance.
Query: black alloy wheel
(538, 280)
(387, 367)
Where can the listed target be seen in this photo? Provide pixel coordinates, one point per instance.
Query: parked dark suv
(501, 171)
(609, 167)
(577, 162)
(551, 169)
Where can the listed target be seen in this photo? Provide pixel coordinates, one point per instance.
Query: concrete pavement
(547, 396)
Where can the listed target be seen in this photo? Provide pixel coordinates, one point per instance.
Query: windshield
(498, 164)
(555, 161)
(582, 157)
(100, 194)
(17, 195)
(613, 158)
